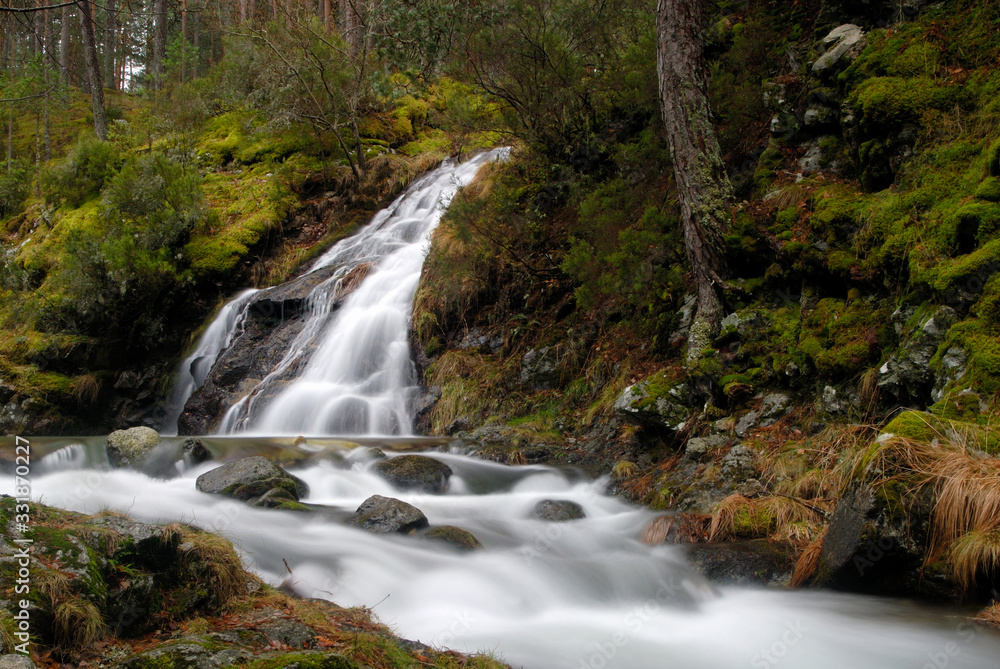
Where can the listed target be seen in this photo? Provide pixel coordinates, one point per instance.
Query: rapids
(582, 594)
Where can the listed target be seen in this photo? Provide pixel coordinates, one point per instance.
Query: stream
(539, 595)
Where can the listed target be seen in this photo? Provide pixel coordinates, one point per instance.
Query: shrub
(82, 174)
(14, 185)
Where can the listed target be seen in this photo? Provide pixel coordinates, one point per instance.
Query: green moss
(888, 102)
(989, 190)
(306, 660)
(993, 159)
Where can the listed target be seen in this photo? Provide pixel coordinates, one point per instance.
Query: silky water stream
(575, 595)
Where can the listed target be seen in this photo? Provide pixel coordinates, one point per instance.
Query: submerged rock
(385, 515)
(129, 448)
(455, 537)
(415, 472)
(558, 510)
(757, 562)
(250, 478)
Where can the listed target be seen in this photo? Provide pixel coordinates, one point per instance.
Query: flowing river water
(575, 595)
(540, 595)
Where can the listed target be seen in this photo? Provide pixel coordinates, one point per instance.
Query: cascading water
(584, 594)
(348, 371)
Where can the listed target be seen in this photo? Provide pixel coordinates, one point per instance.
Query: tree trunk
(110, 41)
(64, 45)
(159, 40)
(93, 69)
(196, 43)
(703, 188)
(184, 37)
(351, 17)
(328, 15)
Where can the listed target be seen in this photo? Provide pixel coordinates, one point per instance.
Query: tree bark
(184, 37)
(93, 69)
(64, 45)
(351, 17)
(110, 41)
(159, 40)
(703, 188)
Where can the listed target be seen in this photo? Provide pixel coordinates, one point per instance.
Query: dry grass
(990, 615)
(87, 389)
(808, 562)
(227, 579)
(685, 528)
(737, 516)
(624, 469)
(77, 624)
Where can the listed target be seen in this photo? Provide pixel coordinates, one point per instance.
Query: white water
(192, 371)
(359, 378)
(543, 596)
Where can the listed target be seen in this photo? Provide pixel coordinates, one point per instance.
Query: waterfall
(347, 371)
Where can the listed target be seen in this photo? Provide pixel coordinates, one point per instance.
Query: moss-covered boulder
(908, 375)
(415, 472)
(455, 537)
(558, 510)
(386, 515)
(248, 479)
(660, 401)
(129, 448)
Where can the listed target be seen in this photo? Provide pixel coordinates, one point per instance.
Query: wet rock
(422, 404)
(129, 448)
(455, 537)
(415, 472)
(195, 452)
(842, 45)
(641, 404)
(757, 562)
(17, 661)
(951, 369)
(249, 478)
(907, 375)
(480, 340)
(385, 515)
(375, 453)
(875, 547)
(738, 464)
(558, 510)
(539, 369)
(699, 448)
(141, 544)
(832, 402)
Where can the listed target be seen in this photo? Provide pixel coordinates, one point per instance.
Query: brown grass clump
(87, 389)
(683, 528)
(77, 624)
(227, 579)
(990, 615)
(738, 516)
(808, 562)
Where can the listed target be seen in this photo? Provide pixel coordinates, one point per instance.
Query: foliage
(82, 174)
(15, 183)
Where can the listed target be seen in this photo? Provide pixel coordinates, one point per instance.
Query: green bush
(82, 174)
(15, 183)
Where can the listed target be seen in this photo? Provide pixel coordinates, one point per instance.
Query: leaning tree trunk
(93, 68)
(703, 187)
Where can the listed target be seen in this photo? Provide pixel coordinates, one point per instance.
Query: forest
(737, 261)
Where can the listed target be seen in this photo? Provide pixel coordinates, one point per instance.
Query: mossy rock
(305, 660)
(455, 537)
(415, 472)
(249, 478)
(989, 190)
(130, 447)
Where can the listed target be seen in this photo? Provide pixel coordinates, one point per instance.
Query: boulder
(191, 653)
(194, 452)
(757, 562)
(539, 369)
(951, 368)
(455, 537)
(774, 405)
(290, 633)
(249, 478)
(698, 448)
(385, 515)
(873, 546)
(558, 510)
(907, 375)
(414, 472)
(129, 448)
(842, 46)
(16, 661)
(643, 404)
(738, 464)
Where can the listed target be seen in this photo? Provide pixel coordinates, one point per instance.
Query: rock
(385, 515)
(7, 392)
(774, 405)
(907, 375)
(289, 632)
(422, 404)
(872, 547)
(558, 510)
(830, 401)
(129, 448)
(730, 324)
(641, 404)
(192, 653)
(194, 452)
(375, 453)
(415, 472)
(738, 464)
(757, 562)
(842, 45)
(746, 423)
(455, 537)
(951, 368)
(698, 448)
(812, 161)
(249, 478)
(783, 124)
(145, 545)
(17, 661)
(539, 369)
